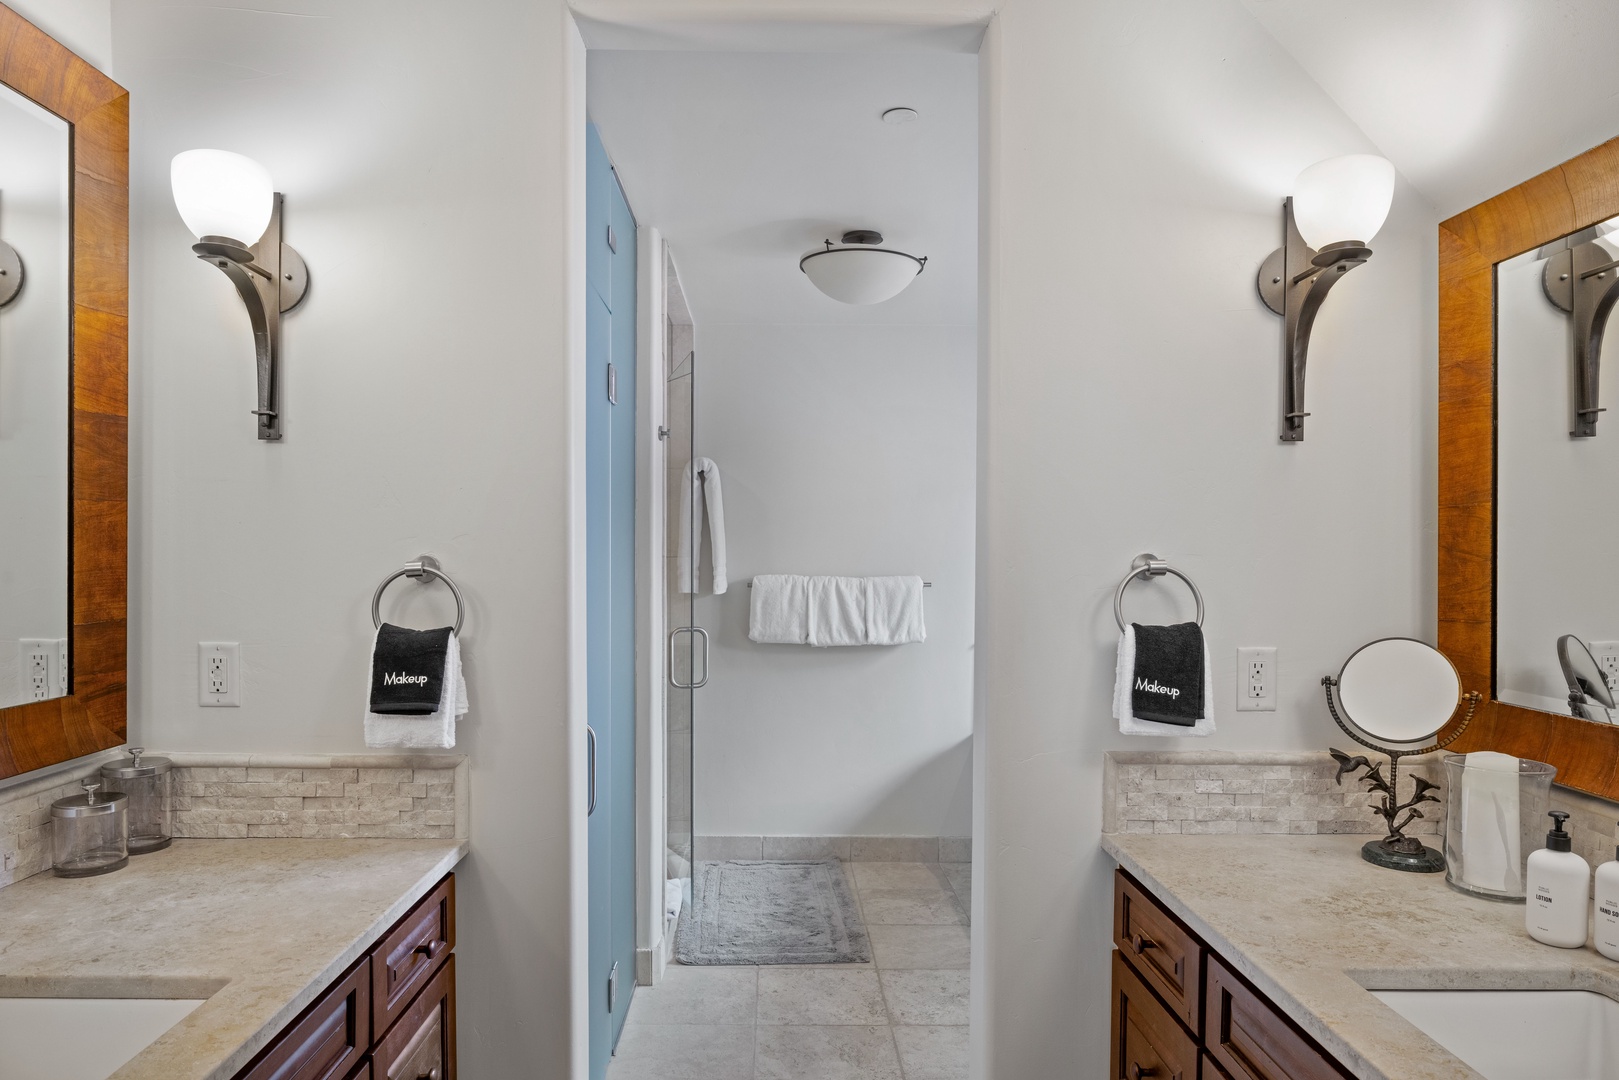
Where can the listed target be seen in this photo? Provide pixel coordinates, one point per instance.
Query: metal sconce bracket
(1584, 281)
(11, 273)
(271, 278)
(1293, 281)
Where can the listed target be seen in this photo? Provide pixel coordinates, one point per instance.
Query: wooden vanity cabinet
(390, 1017)
(1181, 1013)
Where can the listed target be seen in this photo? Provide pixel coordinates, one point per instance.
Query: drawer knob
(1141, 944)
(430, 1074)
(431, 949)
(1137, 1072)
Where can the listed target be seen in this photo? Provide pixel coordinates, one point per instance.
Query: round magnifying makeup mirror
(1395, 696)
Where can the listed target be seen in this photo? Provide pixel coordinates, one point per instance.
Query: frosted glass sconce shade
(222, 194)
(1343, 198)
(227, 200)
(861, 272)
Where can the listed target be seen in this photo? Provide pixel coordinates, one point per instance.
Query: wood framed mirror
(1500, 515)
(87, 401)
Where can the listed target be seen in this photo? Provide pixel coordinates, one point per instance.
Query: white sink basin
(1519, 1034)
(69, 1038)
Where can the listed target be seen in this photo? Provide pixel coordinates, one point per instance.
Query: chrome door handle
(590, 750)
(676, 683)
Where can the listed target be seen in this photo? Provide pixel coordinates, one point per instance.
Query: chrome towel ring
(1151, 566)
(424, 567)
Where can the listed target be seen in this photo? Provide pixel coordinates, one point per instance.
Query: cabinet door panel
(1246, 1035)
(328, 1040)
(1168, 957)
(411, 953)
(421, 1046)
(1148, 1042)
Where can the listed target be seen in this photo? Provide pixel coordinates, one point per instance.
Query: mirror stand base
(1424, 860)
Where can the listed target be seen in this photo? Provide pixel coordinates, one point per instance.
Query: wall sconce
(228, 202)
(11, 274)
(1333, 201)
(1583, 280)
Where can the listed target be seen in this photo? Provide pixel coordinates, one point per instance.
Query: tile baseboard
(845, 848)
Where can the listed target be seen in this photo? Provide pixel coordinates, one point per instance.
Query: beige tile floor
(901, 1017)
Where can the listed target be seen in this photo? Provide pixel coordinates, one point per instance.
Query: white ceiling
(1466, 97)
(746, 161)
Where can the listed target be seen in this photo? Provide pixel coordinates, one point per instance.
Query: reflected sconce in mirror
(11, 274)
(1336, 208)
(1583, 280)
(230, 205)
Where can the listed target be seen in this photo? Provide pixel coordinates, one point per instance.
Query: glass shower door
(688, 643)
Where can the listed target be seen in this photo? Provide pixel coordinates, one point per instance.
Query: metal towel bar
(1146, 565)
(925, 584)
(425, 566)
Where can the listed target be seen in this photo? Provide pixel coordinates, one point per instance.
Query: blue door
(610, 598)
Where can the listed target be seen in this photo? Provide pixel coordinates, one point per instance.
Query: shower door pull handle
(590, 753)
(696, 684)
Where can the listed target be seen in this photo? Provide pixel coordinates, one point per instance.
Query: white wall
(1135, 162)
(428, 408)
(85, 26)
(1555, 498)
(843, 450)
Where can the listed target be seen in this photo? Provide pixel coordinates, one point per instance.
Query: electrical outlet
(37, 663)
(1256, 679)
(1606, 654)
(219, 674)
(61, 667)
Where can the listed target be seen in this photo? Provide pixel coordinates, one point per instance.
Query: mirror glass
(1398, 691)
(35, 369)
(1557, 504)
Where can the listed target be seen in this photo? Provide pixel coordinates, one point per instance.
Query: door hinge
(612, 385)
(612, 987)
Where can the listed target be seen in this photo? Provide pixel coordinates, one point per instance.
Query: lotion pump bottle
(1607, 921)
(1559, 888)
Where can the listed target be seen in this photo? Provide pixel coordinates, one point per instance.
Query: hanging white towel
(1129, 724)
(700, 471)
(674, 894)
(778, 610)
(894, 611)
(436, 730)
(837, 611)
(1492, 856)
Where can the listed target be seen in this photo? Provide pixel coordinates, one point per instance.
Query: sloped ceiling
(1466, 97)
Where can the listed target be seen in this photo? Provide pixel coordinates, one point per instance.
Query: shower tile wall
(678, 605)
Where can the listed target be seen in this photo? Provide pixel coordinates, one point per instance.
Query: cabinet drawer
(1147, 1041)
(362, 1073)
(1168, 957)
(407, 958)
(421, 1046)
(328, 1040)
(1211, 1071)
(1251, 1040)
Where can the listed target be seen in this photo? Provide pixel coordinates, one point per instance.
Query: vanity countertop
(1312, 925)
(259, 927)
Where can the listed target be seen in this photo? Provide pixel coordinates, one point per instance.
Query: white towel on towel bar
(778, 612)
(894, 611)
(690, 546)
(837, 611)
(436, 730)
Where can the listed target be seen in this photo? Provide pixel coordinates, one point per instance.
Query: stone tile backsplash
(1209, 792)
(418, 797)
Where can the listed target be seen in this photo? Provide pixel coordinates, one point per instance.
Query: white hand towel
(1129, 724)
(436, 730)
(1492, 856)
(778, 610)
(894, 611)
(673, 894)
(689, 545)
(837, 611)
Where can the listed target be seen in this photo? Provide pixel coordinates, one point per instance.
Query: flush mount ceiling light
(1336, 208)
(900, 115)
(229, 203)
(859, 271)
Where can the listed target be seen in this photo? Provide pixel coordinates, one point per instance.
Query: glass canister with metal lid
(90, 832)
(151, 807)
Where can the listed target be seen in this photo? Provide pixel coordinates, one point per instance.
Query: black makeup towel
(407, 670)
(1167, 684)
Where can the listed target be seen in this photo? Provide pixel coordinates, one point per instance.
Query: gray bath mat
(771, 913)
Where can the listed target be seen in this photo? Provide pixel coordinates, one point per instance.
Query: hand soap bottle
(1607, 921)
(1559, 888)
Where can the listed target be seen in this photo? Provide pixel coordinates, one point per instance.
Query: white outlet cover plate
(1247, 657)
(1606, 654)
(227, 655)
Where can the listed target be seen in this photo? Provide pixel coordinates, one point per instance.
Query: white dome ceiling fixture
(859, 271)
